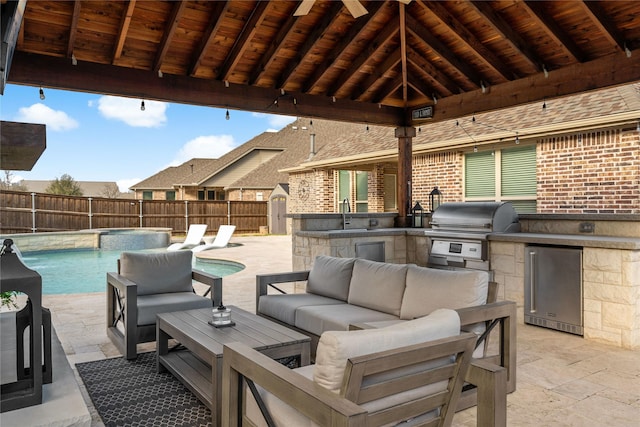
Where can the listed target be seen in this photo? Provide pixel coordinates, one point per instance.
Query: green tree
(65, 185)
(7, 183)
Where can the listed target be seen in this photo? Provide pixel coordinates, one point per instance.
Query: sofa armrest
(241, 363)
(264, 281)
(503, 315)
(214, 282)
(491, 383)
(122, 303)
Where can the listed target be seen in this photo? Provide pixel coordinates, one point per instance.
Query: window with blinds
(503, 175)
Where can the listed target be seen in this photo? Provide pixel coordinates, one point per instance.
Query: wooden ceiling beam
(174, 20)
(243, 40)
(403, 54)
(215, 20)
(499, 25)
(354, 33)
(73, 28)
(269, 56)
(536, 11)
(123, 30)
(372, 50)
(441, 82)
(388, 89)
(425, 37)
(32, 69)
(606, 27)
(613, 70)
(314, 37)
(391, 62)
(419, 84)
(481, 51)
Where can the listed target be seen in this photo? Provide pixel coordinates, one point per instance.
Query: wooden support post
(405, 155)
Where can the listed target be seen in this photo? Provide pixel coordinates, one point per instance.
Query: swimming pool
(80, 271)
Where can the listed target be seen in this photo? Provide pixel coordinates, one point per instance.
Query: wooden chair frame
(122, 297)
(243, 365)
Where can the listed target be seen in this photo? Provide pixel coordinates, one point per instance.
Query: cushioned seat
(338, 317)
(148, 283)
(284, 307)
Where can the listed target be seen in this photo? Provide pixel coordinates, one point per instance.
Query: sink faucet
(346, 207)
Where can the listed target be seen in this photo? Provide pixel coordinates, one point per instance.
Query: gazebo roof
(385, 67)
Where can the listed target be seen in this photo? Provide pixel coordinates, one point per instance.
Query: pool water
(80, 271)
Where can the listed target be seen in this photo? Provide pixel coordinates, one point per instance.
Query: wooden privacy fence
(24, 212)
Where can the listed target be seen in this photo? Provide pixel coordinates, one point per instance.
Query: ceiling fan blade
(355, 8)
(304, 8)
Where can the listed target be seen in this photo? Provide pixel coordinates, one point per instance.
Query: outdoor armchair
(150, 283)
(412, 372)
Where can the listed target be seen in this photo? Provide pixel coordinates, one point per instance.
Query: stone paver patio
(562, 380)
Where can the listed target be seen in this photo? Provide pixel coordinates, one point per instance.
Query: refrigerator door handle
(532, 282)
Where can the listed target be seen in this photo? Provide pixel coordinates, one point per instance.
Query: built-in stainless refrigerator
(553, 288)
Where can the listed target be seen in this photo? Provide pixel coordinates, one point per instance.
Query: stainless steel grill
(459, 232)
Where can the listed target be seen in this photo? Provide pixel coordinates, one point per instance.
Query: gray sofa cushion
(318, 319)
(330, 276)
(283, 307)
(150, 305)
(429, 289)
(378, 285)
(157, 273)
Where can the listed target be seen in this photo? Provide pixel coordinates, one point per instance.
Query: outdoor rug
(132, 393)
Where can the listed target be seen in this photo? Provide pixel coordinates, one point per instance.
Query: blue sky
(94, 137)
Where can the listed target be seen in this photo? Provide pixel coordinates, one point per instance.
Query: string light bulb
(517, 139)
(42, 97)
(142, 107)
(544, 105)
(227, 116)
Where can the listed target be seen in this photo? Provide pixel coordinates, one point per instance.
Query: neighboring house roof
(89, 188)
(166, 178)
(256, 163)
(576, 113)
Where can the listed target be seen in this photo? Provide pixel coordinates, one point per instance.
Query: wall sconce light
(435, 199)
(42, 97)
(142, 107)
(418, 215)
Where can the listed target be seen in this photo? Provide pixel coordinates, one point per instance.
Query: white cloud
(210, 146)
(276, 121)
(54, 119)
(128, 110)
(124, 184)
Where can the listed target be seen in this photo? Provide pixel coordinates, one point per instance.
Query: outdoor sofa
(350, 293)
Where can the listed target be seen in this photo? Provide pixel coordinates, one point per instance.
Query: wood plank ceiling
(460, 57)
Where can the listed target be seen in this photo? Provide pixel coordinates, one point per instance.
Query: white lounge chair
(194, 237)
(222, 239)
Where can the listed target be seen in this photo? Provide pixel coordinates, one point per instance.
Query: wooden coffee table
(200, 368)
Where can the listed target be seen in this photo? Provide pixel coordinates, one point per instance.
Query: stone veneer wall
(611, 289)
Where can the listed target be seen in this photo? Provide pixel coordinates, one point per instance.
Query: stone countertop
(587, 240)
(355, 232)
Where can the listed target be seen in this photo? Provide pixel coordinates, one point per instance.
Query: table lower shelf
(194, 373)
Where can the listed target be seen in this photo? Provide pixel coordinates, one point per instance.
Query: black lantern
(434, 199)
(418, 215)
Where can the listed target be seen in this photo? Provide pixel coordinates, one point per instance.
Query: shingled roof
(294, 141)
(562, 115)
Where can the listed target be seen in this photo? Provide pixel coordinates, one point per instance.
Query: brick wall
(596, 172)
(441, 169)
(248, 195)
(375, 189)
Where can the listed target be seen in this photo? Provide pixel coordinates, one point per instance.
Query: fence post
(228, 212)
(186, 216)
(140, 214)
(33, 212)
(90, 214)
